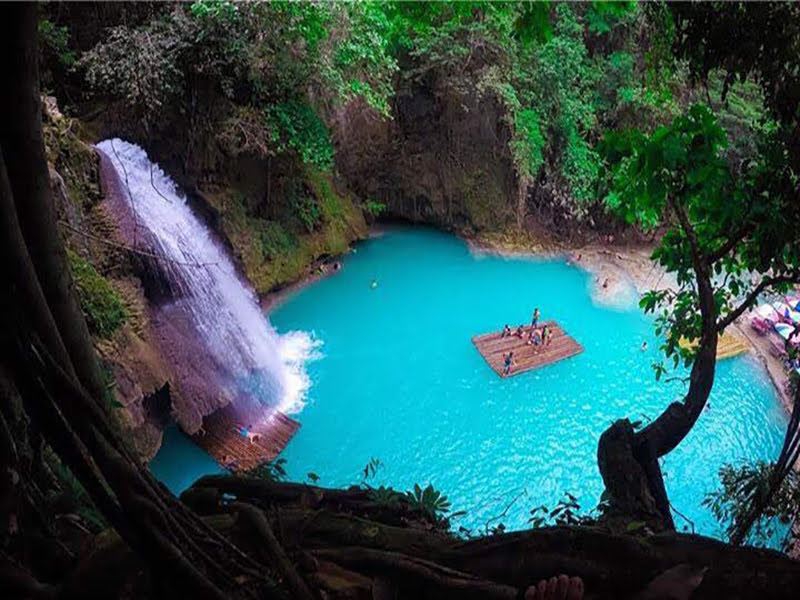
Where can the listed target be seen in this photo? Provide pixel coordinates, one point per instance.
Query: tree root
(611, 565)
(274, 553)
(416, 573)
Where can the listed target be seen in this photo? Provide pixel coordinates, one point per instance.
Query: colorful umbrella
(785, 331)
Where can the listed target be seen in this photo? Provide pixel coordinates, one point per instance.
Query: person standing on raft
(536, 315)
(508, 361)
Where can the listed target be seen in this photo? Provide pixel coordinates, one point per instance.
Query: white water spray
(255, 362)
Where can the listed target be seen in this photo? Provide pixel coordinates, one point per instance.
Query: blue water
(400, 381)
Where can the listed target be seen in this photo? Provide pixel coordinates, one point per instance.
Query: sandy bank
(315, 272)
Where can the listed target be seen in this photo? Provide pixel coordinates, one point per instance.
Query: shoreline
(622, 273)
(320, 269)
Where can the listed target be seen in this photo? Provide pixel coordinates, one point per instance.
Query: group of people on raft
(537, 336)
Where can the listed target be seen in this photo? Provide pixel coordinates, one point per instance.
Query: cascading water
(208, 318)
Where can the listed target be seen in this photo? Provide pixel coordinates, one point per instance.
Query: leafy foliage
(269, 471)
(374, 209)
(274, 240)
(101, 303)
(371, 468)
(747, 483)
(295, 126)
(429, 500)
(264, 58)
(54, 40)
(766, 47)
(386, 496)
(563, 73)
(732, 226)
(140, 66)
(567, 511)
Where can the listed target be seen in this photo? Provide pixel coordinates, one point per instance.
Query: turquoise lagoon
(396, 378)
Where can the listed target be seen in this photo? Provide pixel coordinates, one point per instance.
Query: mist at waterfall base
(208, 317)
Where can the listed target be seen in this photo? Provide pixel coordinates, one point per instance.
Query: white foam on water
(297, 349)
(223, 309)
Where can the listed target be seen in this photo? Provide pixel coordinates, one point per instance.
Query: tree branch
(733, 240)
(767, 282)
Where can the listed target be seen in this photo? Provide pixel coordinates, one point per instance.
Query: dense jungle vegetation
(314, 88)
(294, 125)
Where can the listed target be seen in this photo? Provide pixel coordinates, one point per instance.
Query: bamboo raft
(493, 347)
(220, 438)
(728, 345)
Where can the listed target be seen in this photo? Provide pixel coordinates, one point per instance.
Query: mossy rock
(484, 200)
(274, 252)
(102, 305)
(75, 161)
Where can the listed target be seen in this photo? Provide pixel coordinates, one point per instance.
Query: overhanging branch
(767, 282)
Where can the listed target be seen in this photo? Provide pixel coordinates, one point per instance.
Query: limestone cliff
(110, 293)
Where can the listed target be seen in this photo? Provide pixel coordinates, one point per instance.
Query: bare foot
(676, 583)
(556, 588)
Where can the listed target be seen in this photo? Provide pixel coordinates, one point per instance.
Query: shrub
(274, 240)
(101, 303)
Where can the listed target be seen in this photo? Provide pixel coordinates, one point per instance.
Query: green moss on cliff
(75, 161)
(102, 305)
(484, 201)
(278, 252)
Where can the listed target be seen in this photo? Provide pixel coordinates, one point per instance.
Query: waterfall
(206, 315)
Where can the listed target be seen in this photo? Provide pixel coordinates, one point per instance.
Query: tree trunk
(46, 347)
(664, 433)
(26, 164)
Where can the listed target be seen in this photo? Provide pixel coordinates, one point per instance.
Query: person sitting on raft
(246, 433)
(534, 338)
(536, 315)
(519, 331)
(506, 331)
(508, 360)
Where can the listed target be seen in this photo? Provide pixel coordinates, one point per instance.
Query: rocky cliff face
(443, 159)
(111, 294)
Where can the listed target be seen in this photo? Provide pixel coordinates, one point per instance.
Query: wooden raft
(221, 439)
(493, 347)
(728, 345)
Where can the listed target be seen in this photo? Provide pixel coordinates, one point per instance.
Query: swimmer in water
(374, 284)
(644, 346)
